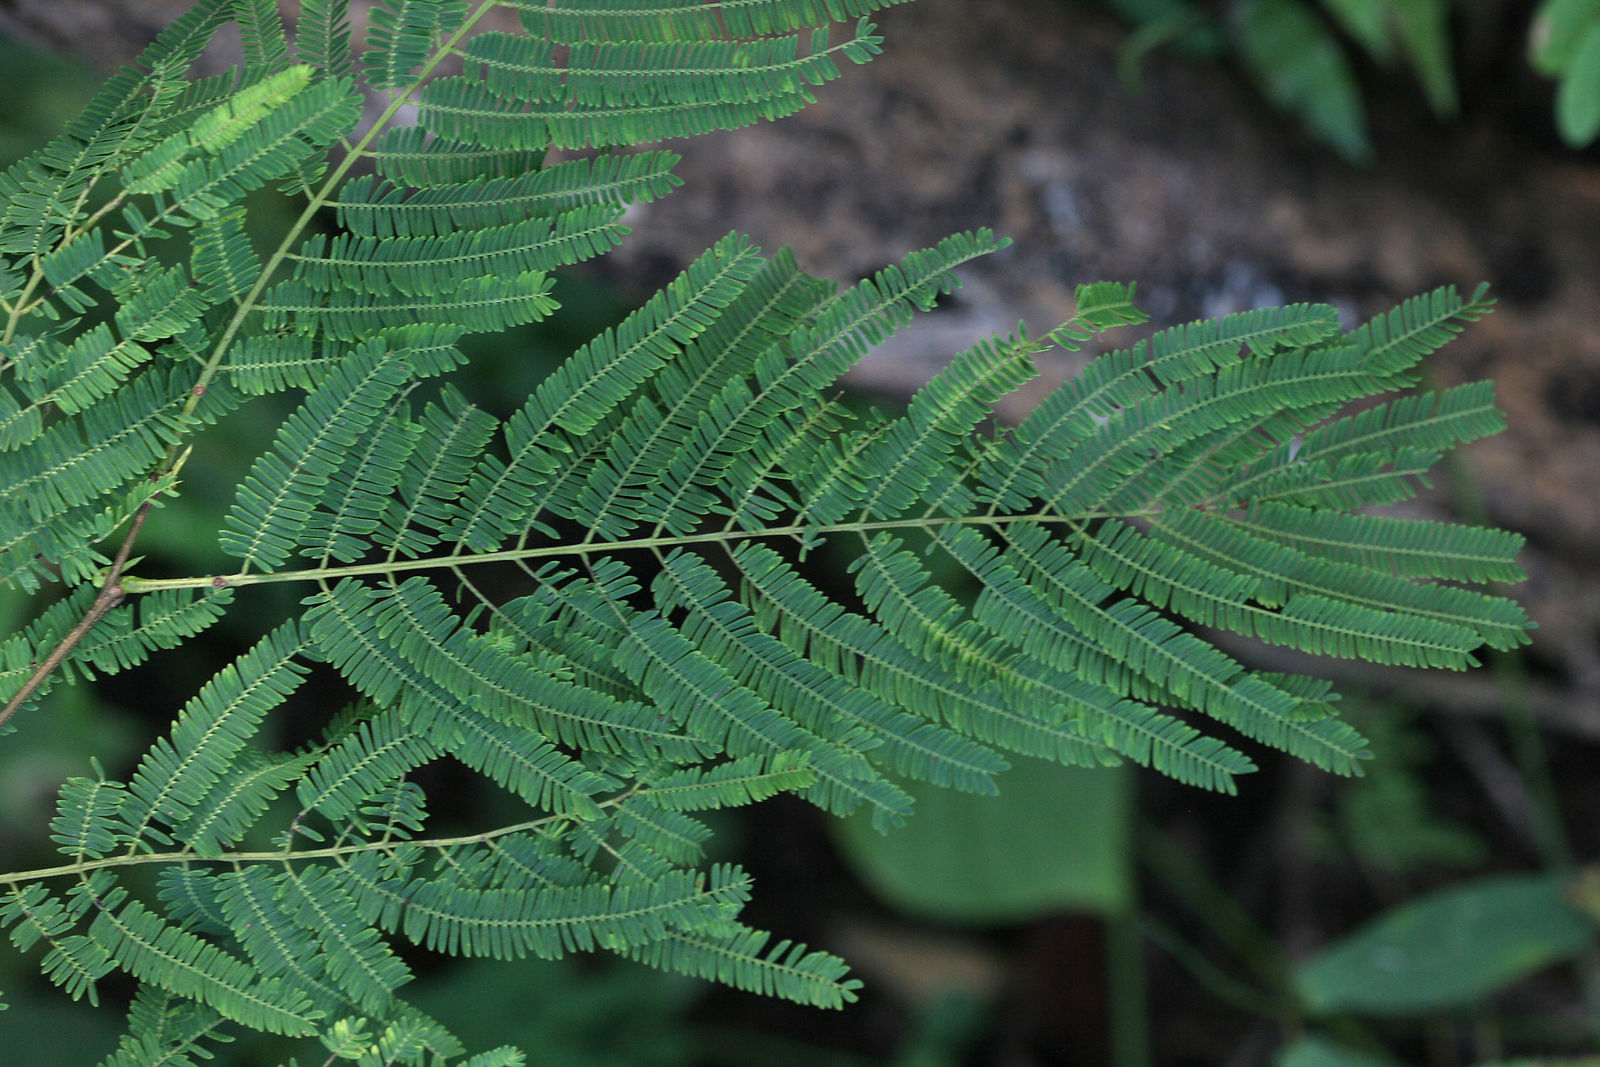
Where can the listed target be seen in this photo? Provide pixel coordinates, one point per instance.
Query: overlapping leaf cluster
(605, 603)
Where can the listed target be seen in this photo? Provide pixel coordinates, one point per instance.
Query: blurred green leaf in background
(1055, 839)
(1448, 948)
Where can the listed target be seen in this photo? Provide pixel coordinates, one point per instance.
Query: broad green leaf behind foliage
(1055, 839)
(1448, 949)
(608, 603)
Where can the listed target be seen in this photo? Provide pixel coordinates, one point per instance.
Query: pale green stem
(802, 531)
(281, 856)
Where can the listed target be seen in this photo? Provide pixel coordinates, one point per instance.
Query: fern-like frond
(741, 958)
(234, 803)
(922, 450)
(89, 818)
(510, 925)
(322, 36)
(732, 784)
(821, 702)
(570, 21)
(245, 142)
(165, 1030)
(413, 155)
(79, 460)
(521, 861)
(672, 836)
(353, 502)
(50, 190)
(72, 377)
(1387, 618)
(1044, 631)
(876, 657)
(33, 916)
(1013, 472)
(728, 450)
(522, 761)
(628, 92)
(305, 921)
(370, 208)
(611, 495)
(177, 773)
(691, 687)
(21, 420)
(423, 268)
(1410, 548)
(245, 904)
(266, 46)
(362, 763)
(402, 36)
(224, 260)
(679, 577)
(1165, 573)
(598, 378)
(129, 633)
(80, 479)
(1100, 306)
(277, 496)
(1100, 465)
(480, 304)
(1393, 343)
(172, 959)
(608, 73)
(1173, 661)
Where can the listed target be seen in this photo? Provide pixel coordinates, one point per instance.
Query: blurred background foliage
(1308, 56)
(1090, 917)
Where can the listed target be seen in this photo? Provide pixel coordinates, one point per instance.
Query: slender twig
(111, 594)
(543, 825)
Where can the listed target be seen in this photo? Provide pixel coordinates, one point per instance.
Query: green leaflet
(877, 659)
(306, 920)
(184, 964)
(160, 1024)
(323, 36)
(162, 167)
(277, 496)
(614, 91)
(371, 208)
(743, 960)
(402, 37)
(682, 575)
(175, 776)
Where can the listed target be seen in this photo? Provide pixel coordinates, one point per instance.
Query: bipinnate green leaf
(684, 573)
